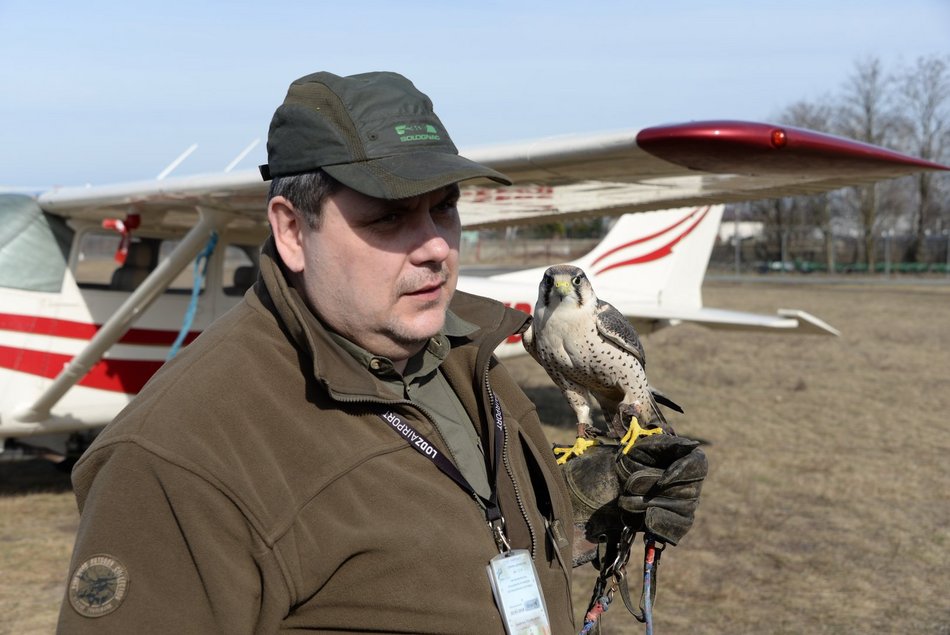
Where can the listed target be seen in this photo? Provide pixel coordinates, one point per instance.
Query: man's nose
(431, 242)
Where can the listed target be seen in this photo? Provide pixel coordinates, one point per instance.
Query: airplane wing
(565, 177)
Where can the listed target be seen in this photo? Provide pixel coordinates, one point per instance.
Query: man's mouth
(429, 289)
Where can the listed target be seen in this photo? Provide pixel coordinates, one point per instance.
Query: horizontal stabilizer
(808, 323)
(786, 321)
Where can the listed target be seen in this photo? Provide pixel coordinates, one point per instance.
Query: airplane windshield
(34, 245)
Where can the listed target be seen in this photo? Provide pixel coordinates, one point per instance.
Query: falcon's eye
(576, 280)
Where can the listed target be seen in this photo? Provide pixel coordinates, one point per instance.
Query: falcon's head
(566, 284)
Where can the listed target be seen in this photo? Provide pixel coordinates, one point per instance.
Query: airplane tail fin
(655, 258)
(648, 259)
(651, 266)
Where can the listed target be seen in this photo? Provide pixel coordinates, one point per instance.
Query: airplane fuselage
(78, 342)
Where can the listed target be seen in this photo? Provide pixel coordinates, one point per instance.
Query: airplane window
(240, 268)
(184, 282)
(96, 262)
(96, 267)
(34, 245)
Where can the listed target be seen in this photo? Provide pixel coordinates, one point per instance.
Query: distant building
(744, 228)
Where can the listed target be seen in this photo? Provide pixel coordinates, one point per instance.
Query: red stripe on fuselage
(85, 331)
(115, 375)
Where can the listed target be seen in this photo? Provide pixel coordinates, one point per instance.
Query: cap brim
(407, 175)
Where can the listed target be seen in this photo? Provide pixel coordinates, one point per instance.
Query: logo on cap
(417, 132)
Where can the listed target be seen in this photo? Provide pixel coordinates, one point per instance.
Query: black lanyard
(424, 447)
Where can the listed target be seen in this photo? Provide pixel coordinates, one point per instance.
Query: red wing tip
(742, 147)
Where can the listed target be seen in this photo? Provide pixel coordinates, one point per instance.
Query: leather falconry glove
(594, 487)
(661, 478)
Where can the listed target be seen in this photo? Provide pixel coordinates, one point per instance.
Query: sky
(104, 92)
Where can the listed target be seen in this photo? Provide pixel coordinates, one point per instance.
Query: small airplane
(80, 334)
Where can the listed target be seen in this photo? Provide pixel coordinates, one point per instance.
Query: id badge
(518, 593)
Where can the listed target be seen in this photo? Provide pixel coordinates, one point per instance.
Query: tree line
(906, 220)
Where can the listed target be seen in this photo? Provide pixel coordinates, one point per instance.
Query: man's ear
(287, 225)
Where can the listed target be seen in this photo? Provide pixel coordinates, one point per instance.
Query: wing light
(779, 138)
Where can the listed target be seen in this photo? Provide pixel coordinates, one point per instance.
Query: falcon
(589, 349)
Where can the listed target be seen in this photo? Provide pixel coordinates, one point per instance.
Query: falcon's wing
(614, 327)
(527, 340)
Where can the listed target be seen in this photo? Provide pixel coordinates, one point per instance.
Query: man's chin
(422, 327)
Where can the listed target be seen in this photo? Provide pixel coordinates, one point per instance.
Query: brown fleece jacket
(252, 487)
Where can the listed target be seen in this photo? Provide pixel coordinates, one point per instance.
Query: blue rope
(648, 568)
(590, 620)
(201, 271)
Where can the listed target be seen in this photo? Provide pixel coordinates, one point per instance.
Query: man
(341, 452)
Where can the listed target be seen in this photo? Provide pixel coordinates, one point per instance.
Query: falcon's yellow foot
(634, 432)
(580, 446)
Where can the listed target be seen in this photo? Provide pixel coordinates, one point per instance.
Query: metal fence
(803, 252)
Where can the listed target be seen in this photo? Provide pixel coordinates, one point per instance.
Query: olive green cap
(373, 132)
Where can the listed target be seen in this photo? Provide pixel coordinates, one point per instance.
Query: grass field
(827, 507)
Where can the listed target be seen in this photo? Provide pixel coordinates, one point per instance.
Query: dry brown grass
(827, 508)
(38, 520)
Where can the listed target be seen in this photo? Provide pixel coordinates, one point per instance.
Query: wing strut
(115, 327)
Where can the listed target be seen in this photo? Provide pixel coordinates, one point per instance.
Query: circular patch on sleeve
(98, 586)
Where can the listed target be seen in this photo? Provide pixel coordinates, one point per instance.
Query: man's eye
(386, 219)
(445, 206)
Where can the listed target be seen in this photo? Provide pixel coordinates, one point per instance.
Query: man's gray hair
(306, 192)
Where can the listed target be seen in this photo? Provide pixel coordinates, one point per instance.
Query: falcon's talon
(580, 446)
(634, 432)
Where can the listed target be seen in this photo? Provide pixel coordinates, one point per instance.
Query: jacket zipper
(510, 472)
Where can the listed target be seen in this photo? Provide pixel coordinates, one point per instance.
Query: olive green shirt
(424, 385)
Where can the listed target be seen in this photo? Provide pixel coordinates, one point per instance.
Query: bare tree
(924, 100)
(909, 111)
(815, 210)
(865, 115)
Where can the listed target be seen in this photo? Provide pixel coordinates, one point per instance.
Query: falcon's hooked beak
(564, 288)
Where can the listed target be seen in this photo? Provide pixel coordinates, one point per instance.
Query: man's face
(381, 273)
